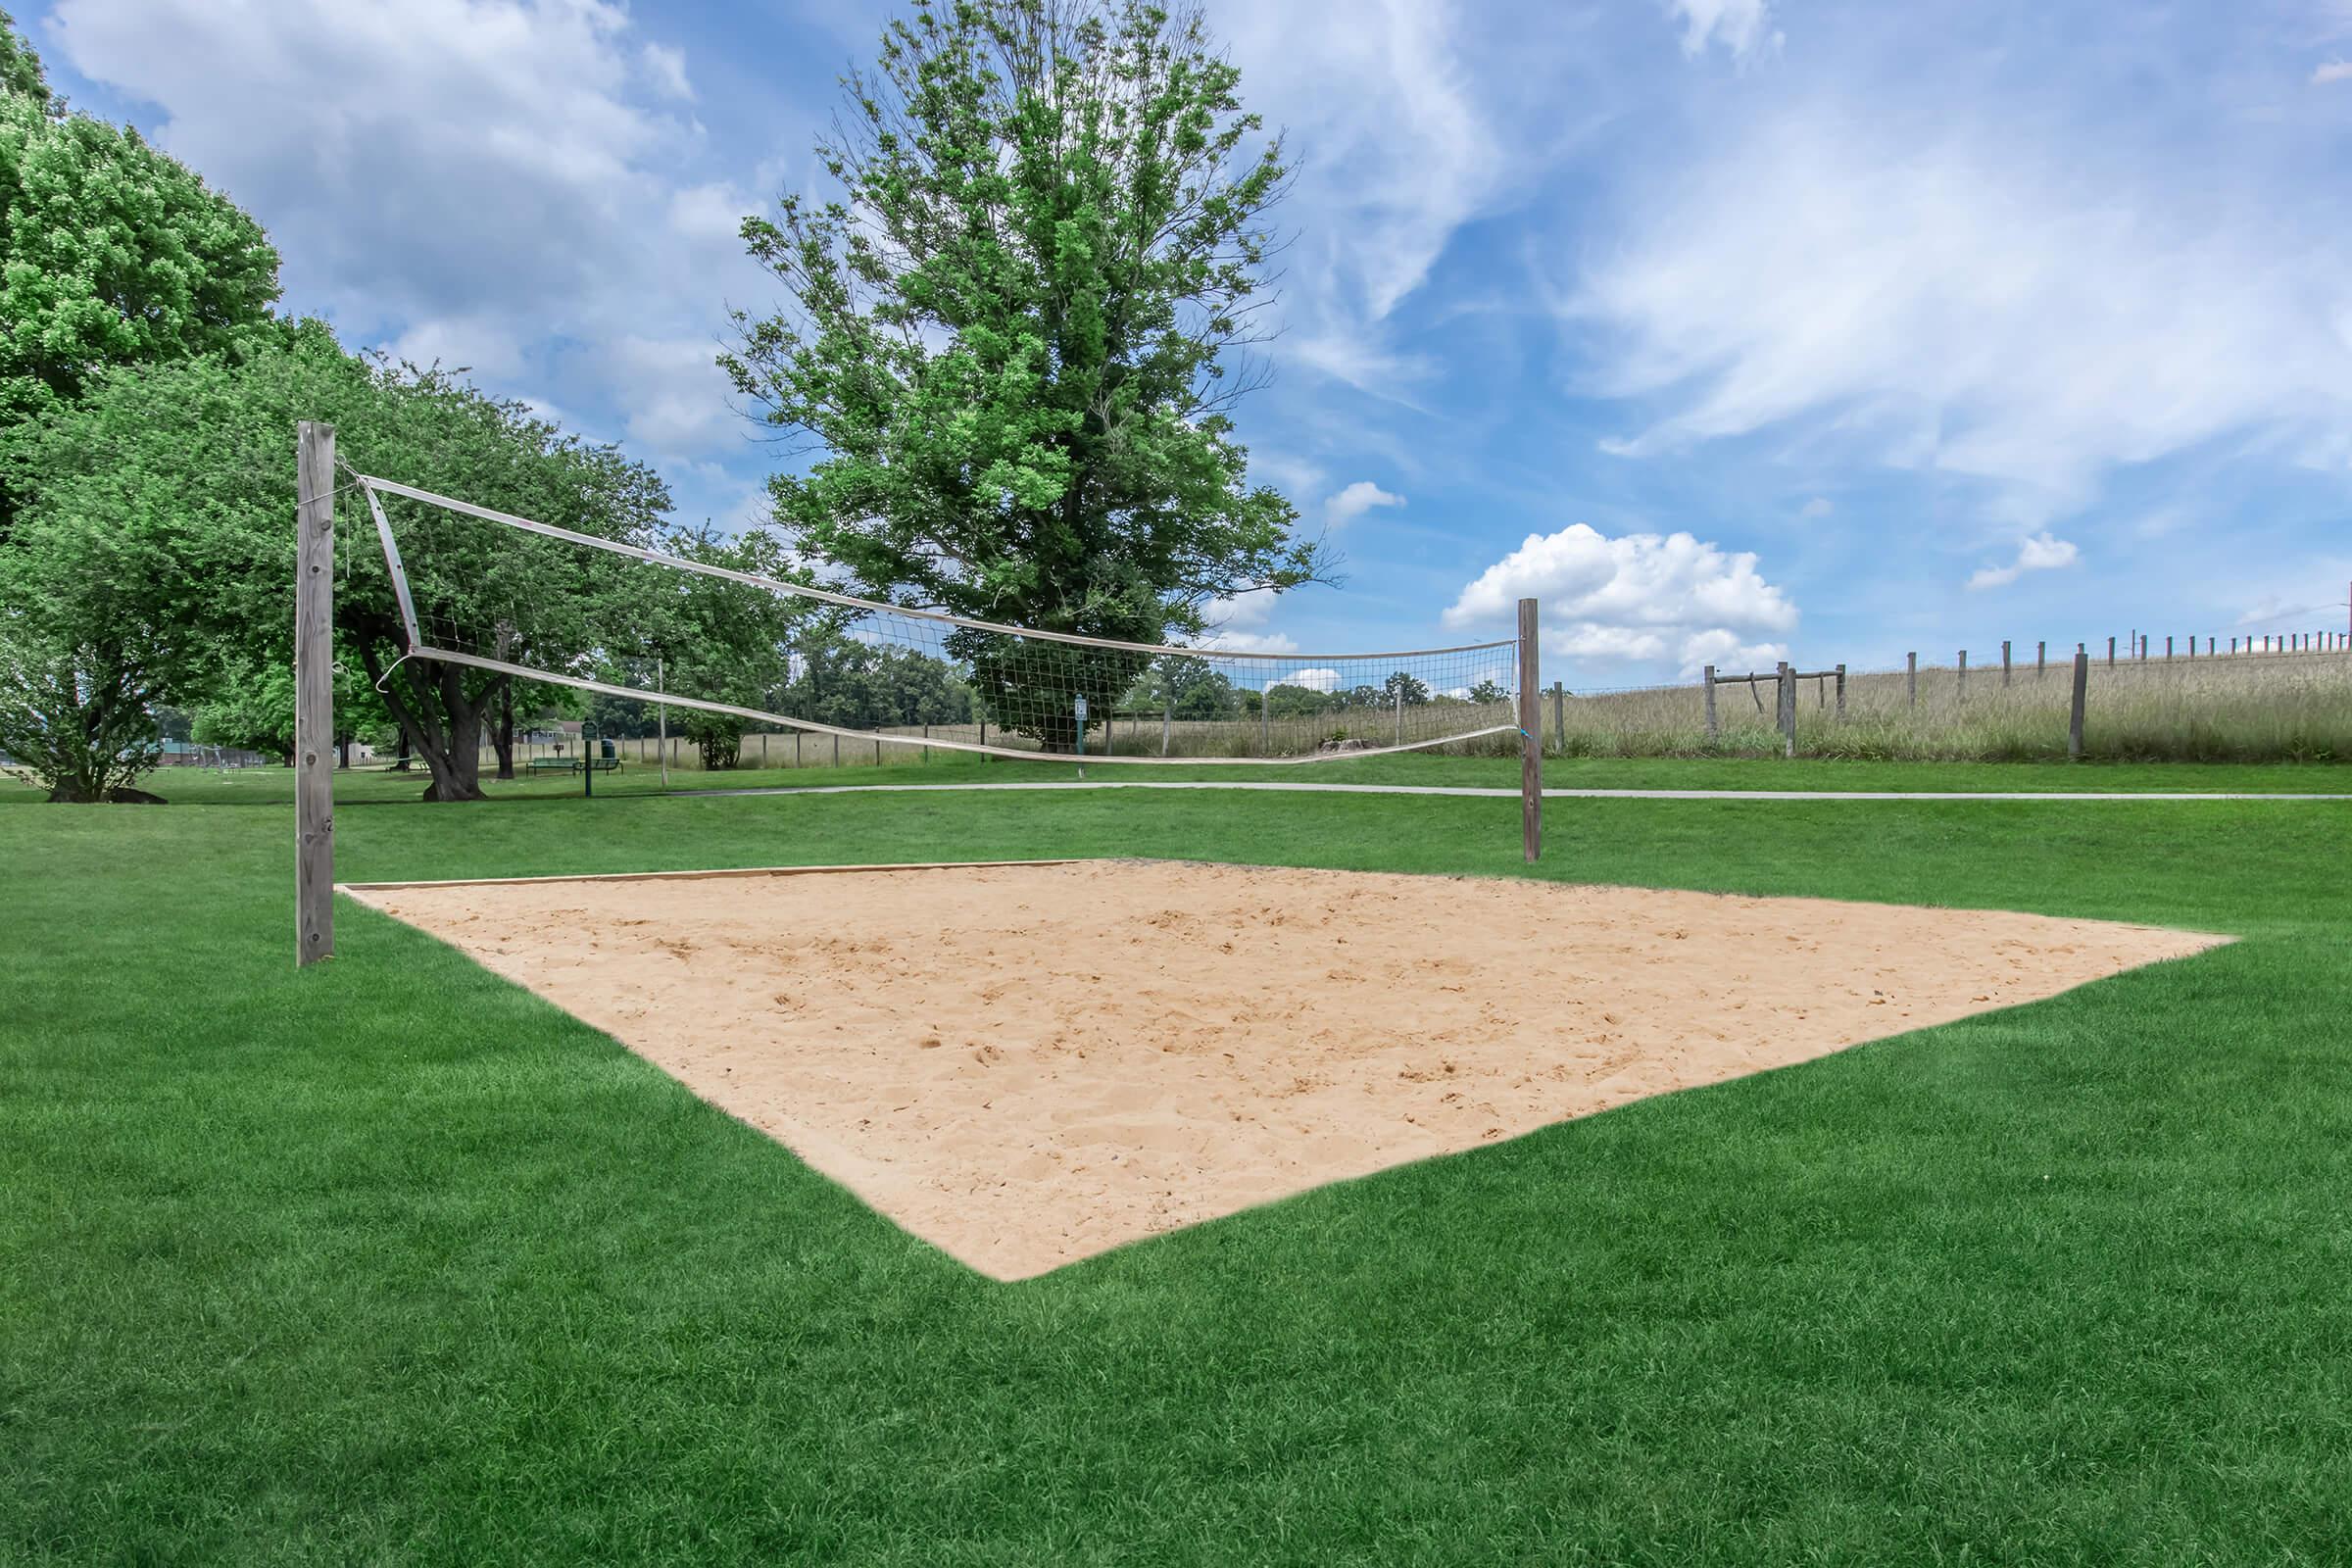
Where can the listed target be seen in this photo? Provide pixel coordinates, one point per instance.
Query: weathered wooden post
(313, 691)
(1785, 713)
(2004, 664)
(2041, 658)
(1559, 716)
(1531, 723)
(1911, 677)
(1841, 694)
(2168, 650)
(2110, 653)
(660, 722)
(2074, 723)
(1964, 674)
(1706, 684)
(1167, 724)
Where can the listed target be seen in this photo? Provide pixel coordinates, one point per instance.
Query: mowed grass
(390, 1261)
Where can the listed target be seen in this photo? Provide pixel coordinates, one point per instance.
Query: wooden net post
(2074, 723)
(1531, 725)
(1706, 684)
(314, 693)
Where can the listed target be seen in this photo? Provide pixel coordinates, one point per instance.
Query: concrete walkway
(1479, 793)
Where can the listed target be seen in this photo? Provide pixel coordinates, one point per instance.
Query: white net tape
(644, 625)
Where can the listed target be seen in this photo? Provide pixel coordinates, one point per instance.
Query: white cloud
(2270, 607)
(666, 69)
(1640, 597)
(488, 182)
(1818, 507)
(2331, 71)
(488, 349)
(1313, 680)
(1741, 26)
(2038, 553)
(1230, 622)
(1979, 305)
(677, 395)
(1356, 500)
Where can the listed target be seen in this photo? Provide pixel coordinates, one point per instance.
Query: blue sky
(1730, 328)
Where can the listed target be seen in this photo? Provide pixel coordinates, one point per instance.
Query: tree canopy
(1011, 334)
(111, 252)
(156, 519)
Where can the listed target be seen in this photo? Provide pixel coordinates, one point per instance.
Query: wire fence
(2289, 701)
(2276, 699)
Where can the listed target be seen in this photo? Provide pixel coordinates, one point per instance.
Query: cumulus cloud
(1638, 596)
(1232, 622)
(1356, 500)
(493, 184)
(1818, 507)
(1741, 26)
(2331, 71)
(1313, 680)
(1966, 303)
(2040, 553)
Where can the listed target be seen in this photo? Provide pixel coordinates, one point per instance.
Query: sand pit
(1028, 1064)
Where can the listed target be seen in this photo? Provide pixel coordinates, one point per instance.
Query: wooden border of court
(696, 876)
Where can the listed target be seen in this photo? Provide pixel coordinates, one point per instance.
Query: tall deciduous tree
(111, 252)
(1011, 335)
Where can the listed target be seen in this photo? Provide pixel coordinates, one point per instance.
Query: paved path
(1479, 793)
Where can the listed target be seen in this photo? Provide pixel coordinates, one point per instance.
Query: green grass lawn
(275, 785)
(390, 1261)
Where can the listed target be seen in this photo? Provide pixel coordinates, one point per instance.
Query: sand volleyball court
(1025, 1064)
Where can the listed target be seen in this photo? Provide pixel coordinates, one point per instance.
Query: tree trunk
(502, 738)
(432, 708)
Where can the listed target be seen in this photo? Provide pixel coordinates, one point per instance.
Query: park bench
(572, 765)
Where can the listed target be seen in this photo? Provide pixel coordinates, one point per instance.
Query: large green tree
(157, 529)
(111, 252)
(1010, 332)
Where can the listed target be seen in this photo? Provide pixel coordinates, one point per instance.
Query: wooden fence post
(1167, 725)
(2168, 650)
(660, 721)
(1911, 677)
(2041, 658)
(2004, 664)
(2110, 653)
(2074, 723)
(1559, 716)
(1531, 725)
(1706, 682)
(1841, 694)
(1785, 714)
(1964, 674)
(313, 691)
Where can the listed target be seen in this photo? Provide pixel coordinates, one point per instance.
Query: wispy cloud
(1741, 26)
(1974, 306)
(2040, 553)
